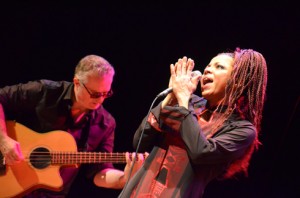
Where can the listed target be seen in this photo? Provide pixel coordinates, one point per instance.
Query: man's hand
(137, 164)
(11, 151)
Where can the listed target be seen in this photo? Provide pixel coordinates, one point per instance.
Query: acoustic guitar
(44, 154)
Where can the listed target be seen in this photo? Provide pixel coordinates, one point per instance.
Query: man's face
(91, 95)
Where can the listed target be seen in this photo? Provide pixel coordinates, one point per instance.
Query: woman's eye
(220, 67)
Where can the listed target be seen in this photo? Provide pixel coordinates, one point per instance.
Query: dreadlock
(245, 94)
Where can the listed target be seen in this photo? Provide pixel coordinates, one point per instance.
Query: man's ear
(76, 81)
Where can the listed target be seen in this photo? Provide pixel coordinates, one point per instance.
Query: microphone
(170, 89)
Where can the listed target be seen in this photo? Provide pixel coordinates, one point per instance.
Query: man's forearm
(3, 132)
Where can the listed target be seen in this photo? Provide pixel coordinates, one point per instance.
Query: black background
(46, 40)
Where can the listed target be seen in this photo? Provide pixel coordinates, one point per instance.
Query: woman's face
(215, 77)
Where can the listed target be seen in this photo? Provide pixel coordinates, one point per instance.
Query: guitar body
(23, 177)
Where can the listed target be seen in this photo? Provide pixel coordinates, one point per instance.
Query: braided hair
(245, 94)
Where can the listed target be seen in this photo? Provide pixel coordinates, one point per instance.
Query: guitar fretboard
(86, 157)
(58, 157)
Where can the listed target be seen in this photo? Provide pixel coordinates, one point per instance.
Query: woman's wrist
(169, 100)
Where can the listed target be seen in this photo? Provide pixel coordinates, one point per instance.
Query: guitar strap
(82, 144)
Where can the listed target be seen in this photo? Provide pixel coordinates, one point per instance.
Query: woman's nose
(207, 70)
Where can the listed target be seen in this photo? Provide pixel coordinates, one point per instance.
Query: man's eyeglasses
(98, 94)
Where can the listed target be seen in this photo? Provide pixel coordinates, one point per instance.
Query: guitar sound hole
(40, 158)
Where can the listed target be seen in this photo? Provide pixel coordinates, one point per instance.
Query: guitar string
(79, 157)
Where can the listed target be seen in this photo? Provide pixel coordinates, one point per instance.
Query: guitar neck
(87, 157)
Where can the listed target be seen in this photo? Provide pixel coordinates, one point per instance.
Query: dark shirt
(183, 161)
(44, 106)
